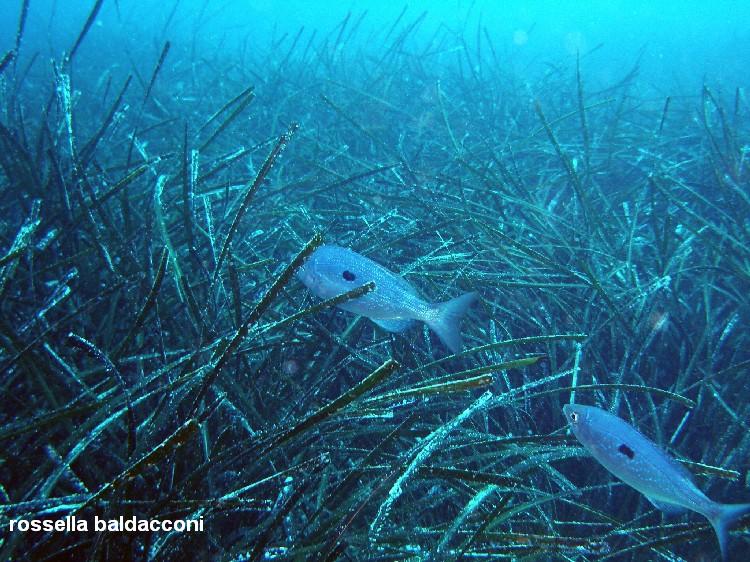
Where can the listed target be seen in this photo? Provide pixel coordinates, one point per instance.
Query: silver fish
(394, 304)
(640, 463)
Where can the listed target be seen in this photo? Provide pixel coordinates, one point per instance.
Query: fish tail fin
(722, 518)
(445, 319)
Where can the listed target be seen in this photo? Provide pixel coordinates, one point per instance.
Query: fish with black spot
(394, 304)
(640, 463)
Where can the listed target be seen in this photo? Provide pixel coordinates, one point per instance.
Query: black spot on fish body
(348, 275)
(627, 451)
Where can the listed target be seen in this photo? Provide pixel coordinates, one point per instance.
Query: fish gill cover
(166, 168)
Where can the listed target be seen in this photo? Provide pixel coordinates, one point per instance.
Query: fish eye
(348, 275)
(574, 417)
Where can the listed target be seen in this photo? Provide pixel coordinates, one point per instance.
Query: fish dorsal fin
(666, 507)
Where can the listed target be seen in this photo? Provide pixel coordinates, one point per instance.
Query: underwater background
(167, 167)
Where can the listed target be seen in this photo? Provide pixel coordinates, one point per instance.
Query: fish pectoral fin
(667, 508)
(394, 325)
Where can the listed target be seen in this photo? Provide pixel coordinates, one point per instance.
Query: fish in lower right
(640, 463)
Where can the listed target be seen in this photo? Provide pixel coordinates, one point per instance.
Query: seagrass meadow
(159, 358)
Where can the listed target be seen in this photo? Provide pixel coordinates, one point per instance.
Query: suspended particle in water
(520, 37)
(575, 42)
(290, 367)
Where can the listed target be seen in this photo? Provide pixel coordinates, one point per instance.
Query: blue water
(678, 44)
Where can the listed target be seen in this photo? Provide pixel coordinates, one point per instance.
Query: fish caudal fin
(445, 319)
(723, 518)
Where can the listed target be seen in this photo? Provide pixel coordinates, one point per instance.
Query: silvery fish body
(640, 463)
(394, 304)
